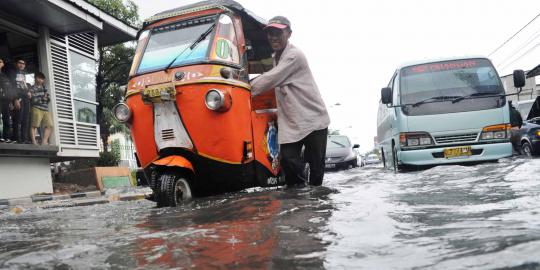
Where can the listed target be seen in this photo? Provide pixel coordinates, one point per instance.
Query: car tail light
(496, 132)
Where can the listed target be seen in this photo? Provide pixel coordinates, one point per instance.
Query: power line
(527, 43)
(523, 55)
(504, 43)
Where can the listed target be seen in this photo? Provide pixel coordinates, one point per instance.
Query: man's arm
(275, 77)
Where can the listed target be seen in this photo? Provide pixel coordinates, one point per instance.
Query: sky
(353, 47)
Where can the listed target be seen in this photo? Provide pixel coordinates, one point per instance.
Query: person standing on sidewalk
(40, 110)
(21, 116)
(6, 103)
(302, 116)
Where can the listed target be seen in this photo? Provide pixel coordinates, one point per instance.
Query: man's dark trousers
(314, 154)
(21, 122)
(6, 115)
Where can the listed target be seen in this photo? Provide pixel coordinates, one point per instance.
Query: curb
(43, 198)
(73, 200)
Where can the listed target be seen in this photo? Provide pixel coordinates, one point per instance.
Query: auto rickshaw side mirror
(519, 78)
(386, 95)
(356, 146)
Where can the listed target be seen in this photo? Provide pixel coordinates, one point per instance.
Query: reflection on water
(247, 230)
(449, 217)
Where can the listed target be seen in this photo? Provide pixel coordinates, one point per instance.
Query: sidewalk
(77, 199)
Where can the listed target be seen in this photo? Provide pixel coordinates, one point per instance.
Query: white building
(126, 149)
(59, 38)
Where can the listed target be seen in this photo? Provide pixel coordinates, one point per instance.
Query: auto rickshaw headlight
(217, 100)
(122, 112)
(226, 73)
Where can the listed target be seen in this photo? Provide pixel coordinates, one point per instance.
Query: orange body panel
(174, 161)
(216, 135)
(142, 130)
(266, 100)
(260, 147)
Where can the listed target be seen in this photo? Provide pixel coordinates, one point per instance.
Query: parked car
(339, 153)
(361, 160)
(526, 139)
(529, 137)
(372, 159)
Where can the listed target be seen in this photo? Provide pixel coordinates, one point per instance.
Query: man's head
(40, 78)
(20, 64)
(278, 32)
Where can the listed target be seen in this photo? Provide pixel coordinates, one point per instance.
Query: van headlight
(122, 112)
(415, 139)
(217, 100)
(496, 132)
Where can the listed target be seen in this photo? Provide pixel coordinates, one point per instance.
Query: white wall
(22, 177)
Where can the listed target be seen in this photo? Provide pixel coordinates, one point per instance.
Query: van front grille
(458, 138)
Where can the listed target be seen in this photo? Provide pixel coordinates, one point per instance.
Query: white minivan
(444, 111)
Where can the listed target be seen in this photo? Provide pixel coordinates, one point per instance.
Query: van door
(386, 121)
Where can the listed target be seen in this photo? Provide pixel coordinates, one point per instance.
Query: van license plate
(457, 152)
(330, 166)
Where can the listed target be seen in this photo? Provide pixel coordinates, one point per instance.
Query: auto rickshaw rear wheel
(173, 190)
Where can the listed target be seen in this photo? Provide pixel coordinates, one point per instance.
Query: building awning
(69, 17)
(534, 72)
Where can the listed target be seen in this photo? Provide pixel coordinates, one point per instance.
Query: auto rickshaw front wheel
(173, 190)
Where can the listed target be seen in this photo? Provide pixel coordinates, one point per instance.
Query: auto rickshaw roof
(248, 17)
(253, 25)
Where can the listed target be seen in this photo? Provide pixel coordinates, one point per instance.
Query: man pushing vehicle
(302, 116)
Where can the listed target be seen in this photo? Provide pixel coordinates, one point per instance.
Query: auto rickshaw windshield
(187, 42)
(173, 41)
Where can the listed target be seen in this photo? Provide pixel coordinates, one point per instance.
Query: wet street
(485, 216)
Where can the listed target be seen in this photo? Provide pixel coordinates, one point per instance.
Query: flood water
(485, 216)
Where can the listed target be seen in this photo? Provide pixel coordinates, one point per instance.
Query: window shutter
(73, 134)
(85, 42)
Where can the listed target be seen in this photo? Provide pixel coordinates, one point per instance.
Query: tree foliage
(125, 10)
(113, 69)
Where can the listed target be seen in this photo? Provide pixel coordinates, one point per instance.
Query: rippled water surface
(449, 217)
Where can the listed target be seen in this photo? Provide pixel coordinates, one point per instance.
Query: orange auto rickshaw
(196, 129)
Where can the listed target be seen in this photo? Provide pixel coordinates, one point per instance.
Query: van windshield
(474, 81)
(166, 43)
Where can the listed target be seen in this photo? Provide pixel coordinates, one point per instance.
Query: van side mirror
(386, 95)
(356, 146)
(519, 78)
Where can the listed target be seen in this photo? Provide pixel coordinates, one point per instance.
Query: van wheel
(526, 149)
(394, 159)
(383, 158)
(174, 190)
(354, 163)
